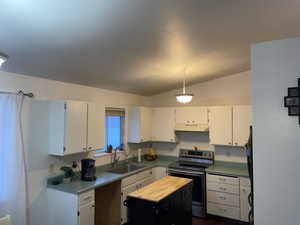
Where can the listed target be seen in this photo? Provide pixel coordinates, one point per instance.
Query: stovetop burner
(196, 160)
(177, 165)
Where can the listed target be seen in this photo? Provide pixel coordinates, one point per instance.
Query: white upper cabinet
(163, 124)
(191, 118)
(242, 119)
(139, 124)
(220, 125)
(229, 125)
(96, 118)
(67, 127)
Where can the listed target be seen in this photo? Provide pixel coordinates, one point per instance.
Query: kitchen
(218, 173)
(67, 121)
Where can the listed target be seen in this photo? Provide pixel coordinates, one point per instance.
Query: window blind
(114, 112)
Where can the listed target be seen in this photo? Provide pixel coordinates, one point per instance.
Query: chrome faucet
(114, 160)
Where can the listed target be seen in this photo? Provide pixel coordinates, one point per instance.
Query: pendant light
(184, 98)
(3, 59)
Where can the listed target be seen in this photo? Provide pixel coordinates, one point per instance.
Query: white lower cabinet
(245, 190)
(87, 214)
(223, 210)
(131, 184)
(159, 172)
(71, 209)
(223, 196)
(228, 196)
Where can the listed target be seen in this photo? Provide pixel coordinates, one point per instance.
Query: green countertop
(78, 186)
(229, 168)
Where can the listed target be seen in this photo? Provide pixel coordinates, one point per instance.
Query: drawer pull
(222, 188)
(222, 197)
(222, 179)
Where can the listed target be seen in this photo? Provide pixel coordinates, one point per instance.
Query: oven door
(199, 189)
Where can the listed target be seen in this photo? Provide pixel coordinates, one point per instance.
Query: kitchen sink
(121, 169)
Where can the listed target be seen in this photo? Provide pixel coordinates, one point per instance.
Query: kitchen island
(164, 202)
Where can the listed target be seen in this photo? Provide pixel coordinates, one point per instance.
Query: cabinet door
(134, 125)
(159, 172)
(220, 125)
(139, 124)
(245, 190)
(124, 194)
(76, 127)
(163, 124)
(191, 115)
(96, 118)
(242, 117)
(87, 214)
(145, 124)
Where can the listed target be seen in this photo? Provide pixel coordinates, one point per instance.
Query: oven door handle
(185, 172)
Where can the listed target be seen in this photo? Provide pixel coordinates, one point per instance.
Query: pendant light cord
(184, 77)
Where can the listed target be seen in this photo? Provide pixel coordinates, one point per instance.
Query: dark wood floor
(214, 221)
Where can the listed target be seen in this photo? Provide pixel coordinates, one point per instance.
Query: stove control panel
(197, 154)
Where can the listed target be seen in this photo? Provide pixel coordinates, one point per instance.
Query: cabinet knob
(236, 143)
(90, 147)
(229, 143)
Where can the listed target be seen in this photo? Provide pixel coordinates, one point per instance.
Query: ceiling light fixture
(184, 97)
(3, 58)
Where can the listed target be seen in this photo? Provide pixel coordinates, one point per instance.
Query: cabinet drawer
(227, 188)
(223, 198)
(222, 179)
(245, 182)
(137, 177)
(223, 210)
(87, 197)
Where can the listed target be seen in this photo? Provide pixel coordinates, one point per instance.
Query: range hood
(196, 127)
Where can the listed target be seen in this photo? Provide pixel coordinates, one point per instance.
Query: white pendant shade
(184, 97)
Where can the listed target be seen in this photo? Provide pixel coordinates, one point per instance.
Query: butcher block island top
(160, 189)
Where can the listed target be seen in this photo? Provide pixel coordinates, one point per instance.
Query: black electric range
(191, 164)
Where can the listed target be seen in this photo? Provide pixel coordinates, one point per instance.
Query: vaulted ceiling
(139, 46)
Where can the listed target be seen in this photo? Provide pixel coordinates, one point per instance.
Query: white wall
(189, 140)
(275, 67)
(40, 164)
(230, 90)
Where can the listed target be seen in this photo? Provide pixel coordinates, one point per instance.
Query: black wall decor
(292, 101)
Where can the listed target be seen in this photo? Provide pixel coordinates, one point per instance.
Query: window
(114, 128)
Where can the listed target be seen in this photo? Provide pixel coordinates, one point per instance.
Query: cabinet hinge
(78, 213)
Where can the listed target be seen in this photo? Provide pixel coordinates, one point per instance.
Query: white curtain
(13, 175)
